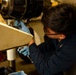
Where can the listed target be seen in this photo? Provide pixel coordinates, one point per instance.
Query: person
(57, 54)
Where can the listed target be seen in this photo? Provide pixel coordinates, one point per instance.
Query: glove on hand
(20, 25)
(24, 50)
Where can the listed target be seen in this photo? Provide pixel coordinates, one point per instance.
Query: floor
(28, 68)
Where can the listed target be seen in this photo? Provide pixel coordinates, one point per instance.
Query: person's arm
(47, 48)
(59, 61)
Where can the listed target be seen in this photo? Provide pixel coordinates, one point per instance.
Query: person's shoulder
(70, 40)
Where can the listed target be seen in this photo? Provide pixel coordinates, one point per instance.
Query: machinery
(22, 9)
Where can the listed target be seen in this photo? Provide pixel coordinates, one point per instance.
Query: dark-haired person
(57, 54)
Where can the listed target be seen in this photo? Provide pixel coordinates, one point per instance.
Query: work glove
(25, 49)
(20, 25)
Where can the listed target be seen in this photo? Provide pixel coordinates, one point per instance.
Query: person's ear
(61, 36)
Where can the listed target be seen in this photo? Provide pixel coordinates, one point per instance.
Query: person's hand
(25, 49)
(20, 25)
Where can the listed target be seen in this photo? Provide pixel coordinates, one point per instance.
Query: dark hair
(60, 18)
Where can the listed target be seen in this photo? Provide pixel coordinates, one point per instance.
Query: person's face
(54, 35)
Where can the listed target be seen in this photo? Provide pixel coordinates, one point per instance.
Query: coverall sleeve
(55, 63)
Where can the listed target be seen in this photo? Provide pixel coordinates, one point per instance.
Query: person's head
(60, 20)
